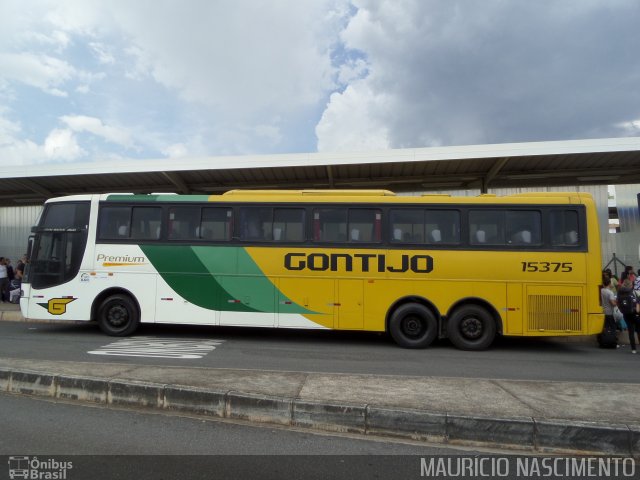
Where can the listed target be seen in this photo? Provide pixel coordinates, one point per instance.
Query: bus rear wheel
(471, 328)
(118, 316)
(413, 326)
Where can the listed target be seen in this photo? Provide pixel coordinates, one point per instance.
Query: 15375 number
(547, 267)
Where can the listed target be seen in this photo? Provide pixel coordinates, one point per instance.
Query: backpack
(627, 303)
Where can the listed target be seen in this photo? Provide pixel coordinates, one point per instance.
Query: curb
(524, 434)
(16, 316)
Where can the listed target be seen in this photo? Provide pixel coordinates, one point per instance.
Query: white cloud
(22, 152)
(271, 56)
(40, 71)
(177, 150)
(216, 71)
(351, 70)
(102, 53)
(353, 121)
(459, 72)
(56, 39)
(82, 123)
(239, 76)
(13, 150)
(239, 57)
(8, 129)
(271, 133)
(631, 128)
(61, 144)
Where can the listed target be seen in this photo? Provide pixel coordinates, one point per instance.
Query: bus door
(350, 304)
(514, 313)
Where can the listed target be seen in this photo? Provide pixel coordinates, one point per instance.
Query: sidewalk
(535, 416)
(10, 312)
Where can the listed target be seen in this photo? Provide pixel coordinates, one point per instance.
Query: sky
(98, 81)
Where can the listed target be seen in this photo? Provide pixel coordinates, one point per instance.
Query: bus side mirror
(29, 247)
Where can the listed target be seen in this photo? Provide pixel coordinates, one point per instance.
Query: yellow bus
(418, 267)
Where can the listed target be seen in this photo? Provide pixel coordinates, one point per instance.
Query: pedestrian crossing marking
(153, 347)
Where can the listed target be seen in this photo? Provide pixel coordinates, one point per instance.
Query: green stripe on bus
(206, 276)
(181, 268)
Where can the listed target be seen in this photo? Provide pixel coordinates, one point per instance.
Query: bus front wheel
(118, 316)
(471, 328)
(413, 325)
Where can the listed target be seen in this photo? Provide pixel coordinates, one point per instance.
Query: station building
(597, 166)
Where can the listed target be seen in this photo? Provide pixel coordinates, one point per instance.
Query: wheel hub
(117, 315)
(412, 326)
(471, 327)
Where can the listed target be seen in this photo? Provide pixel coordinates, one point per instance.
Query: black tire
(413, 326)
(118, 316)
(471, 328)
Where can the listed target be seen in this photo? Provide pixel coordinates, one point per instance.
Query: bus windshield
(59, 244)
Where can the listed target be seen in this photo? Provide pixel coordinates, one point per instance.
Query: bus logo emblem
(57, 306)
(19, 467)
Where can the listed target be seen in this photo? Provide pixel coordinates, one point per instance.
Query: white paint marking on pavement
(158, 348)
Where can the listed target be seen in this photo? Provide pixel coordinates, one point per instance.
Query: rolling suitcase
(609, 337)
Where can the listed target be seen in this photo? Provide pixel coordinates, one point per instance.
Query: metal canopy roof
(574, 162)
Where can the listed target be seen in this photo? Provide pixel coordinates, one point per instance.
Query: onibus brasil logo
(37, 469)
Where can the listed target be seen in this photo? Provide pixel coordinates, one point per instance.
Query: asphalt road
(53, 439)
(108, 443)
(318, 351)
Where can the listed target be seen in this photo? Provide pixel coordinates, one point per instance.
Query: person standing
(10, 270)
(629, 307)
(614, 280)
(4, 280)
(608, 299)
(23, 261)
(15, 285)
(610, 284)
(631, 275)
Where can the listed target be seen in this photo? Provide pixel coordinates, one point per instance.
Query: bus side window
(330, 225)
(216, 224)
(183, 223)
(114, 223)
(524, 227)
(256, 223)
(490, 223)
(564, 228)
(407, 225)
(288, 225)
(443, 226)
(145, 223)
(365, 225)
